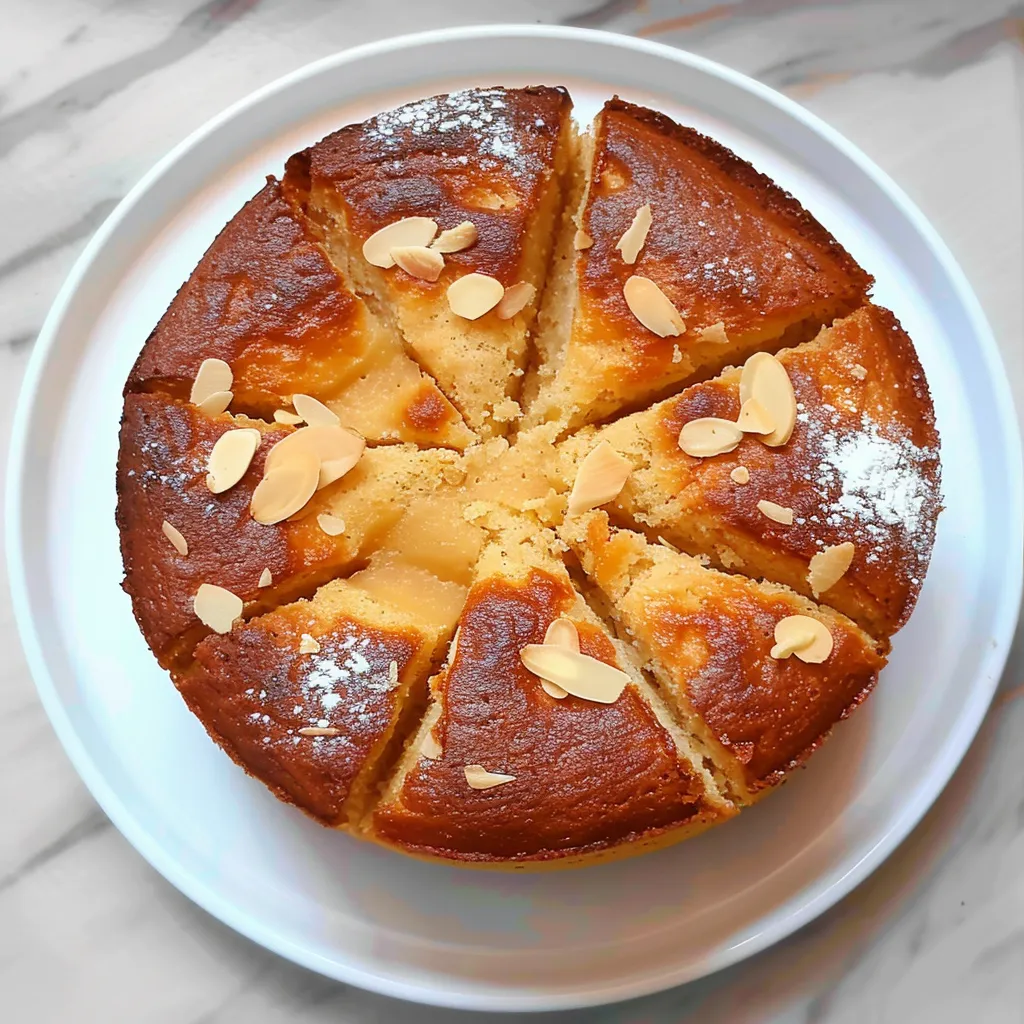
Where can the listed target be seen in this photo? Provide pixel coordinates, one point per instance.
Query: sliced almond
(308, 644)
(765, 378)
(473, 295)
(479, 777)
(230, 458)
(808, 638)
(316, 730)
(581, 240)
(563, 633)
(455, 239)
(714, 334)
(652, 307)
(174, 536)
(215, 404)
(214, 377)
(286, 488)
(289, 419)
(668, 544)
(740, 475)
(777, 513)
(600, 478)
(332, 525)
(828, 567)
(578, 674)
(754, 418)
(709, 435)
(314, 412)
(418, 261)
(266, 578)
(336, 449)
(632, 240)
(392, 673)
(454, 648)
(216, 607)
(430, 748)
(515, 300)
(858, 371)
(407, 231)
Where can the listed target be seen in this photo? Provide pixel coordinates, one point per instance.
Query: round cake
(515, 495)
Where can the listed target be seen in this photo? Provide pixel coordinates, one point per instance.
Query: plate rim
(800, 909)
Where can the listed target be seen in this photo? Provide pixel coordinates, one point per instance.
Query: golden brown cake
(493, 158)
(371, 456)
(861, 468)
(744, 265)
(266, 300)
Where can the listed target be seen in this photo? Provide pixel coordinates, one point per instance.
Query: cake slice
(860, 474)
(710, 639)
(743, 264)
(266, 300)
(309, 697)
(495, 158)
(503, 774)
(161, 477)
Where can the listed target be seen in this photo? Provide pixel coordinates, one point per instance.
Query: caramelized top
(161, 474)
(725, 245)
(255, 691)
(586, 775)
(266, 300)
(862, 464)
(479, 155)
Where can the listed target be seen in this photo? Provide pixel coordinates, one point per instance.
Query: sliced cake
(266, 300)
(466, 189)
(757, 674)
(308, 697)
(844, 510)
(177, 534)
(510, 770)
(686, 259)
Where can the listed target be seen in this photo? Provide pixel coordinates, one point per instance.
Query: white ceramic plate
(444, 935)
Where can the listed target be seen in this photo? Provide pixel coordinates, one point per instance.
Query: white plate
(444, 935)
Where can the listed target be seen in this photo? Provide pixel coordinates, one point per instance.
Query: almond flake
(430, 748)
(266, 578)
(407, 231)
(473, 295)
(230, 458)
(454, 648)
(214, 377)
(668, 544)
(632, 240)
(581, 240)
(709, 435)
(600, 478)
(175, 537)
(652, 307)
(336, 449)
(286, 488)
(314, 730)
(578, 674)
(418, 261)
(308, 644)
(393, 673)
(455, 239)
(828, 567)
(754, 418)
(808, 638)
(765, 378)
(331, 524)
(515, 300)
(289, 419)
(858, 371)
(777, 513)
(215, 404)
(315, 413)
(216, 607)
(740, 475)
(562, 632)
(479, 777)
(714, 334)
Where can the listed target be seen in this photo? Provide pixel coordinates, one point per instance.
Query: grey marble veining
(92, 92)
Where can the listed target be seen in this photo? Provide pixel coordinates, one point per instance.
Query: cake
(515, 497)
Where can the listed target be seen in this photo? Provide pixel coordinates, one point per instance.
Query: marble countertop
(92, 92)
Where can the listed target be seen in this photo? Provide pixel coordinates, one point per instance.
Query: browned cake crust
(587, 776)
